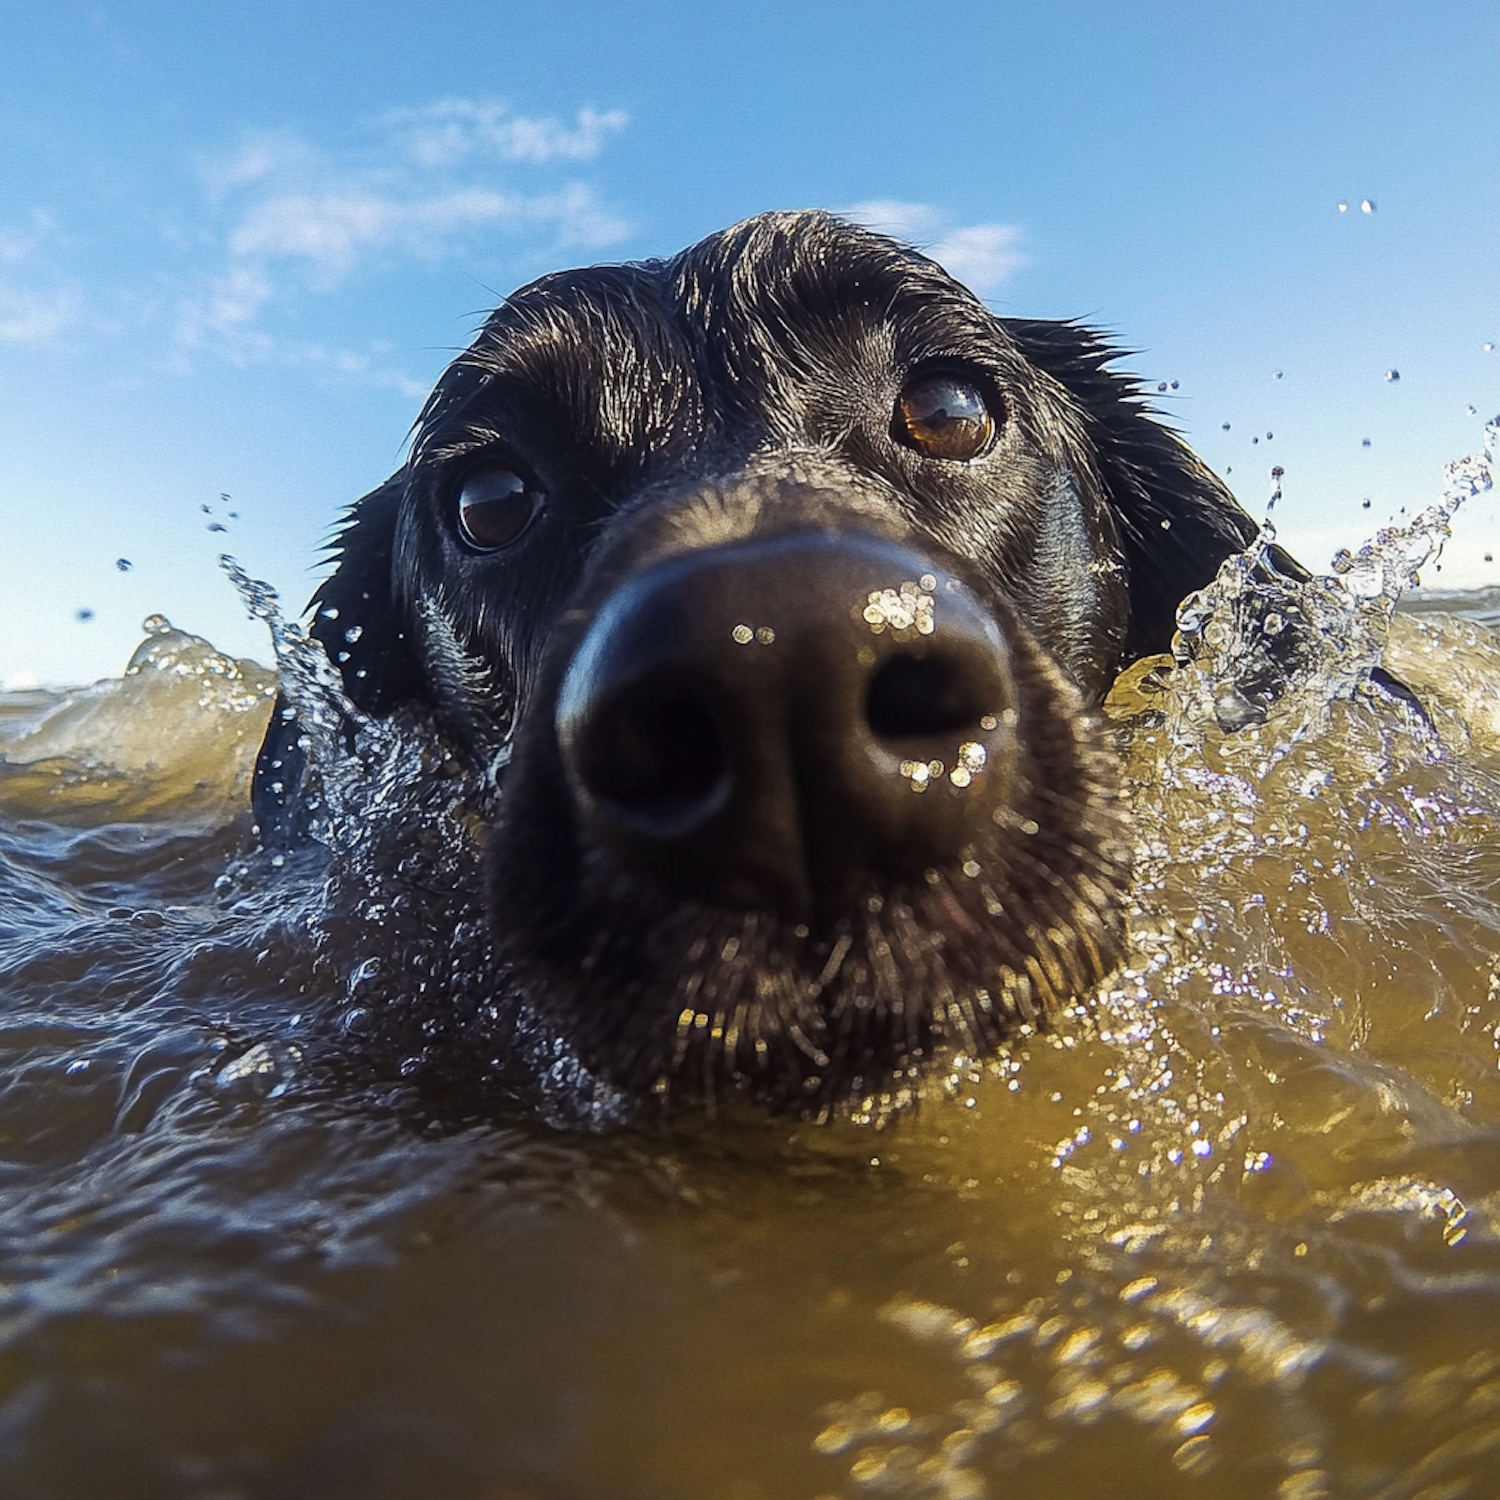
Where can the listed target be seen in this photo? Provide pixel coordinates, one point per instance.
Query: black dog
(786, 575)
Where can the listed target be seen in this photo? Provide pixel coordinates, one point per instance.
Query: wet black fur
(629, 393)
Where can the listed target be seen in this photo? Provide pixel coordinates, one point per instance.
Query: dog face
(785, 575)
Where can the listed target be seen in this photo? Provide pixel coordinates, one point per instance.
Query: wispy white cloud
(37, 303)
(333, 230)
(33, 319)
(367, 368)
(296, 219)
(453, 130)
(19, 244)
(260, 155)
(982, 256)
(224, 311)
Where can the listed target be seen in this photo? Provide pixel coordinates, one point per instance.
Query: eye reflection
(495, 505)
(943, 416)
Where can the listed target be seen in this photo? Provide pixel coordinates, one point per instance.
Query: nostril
(910, 696)
(657, 757)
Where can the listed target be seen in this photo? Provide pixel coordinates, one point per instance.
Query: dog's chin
(688, 1004)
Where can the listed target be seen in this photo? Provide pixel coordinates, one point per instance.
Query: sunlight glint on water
(284, 1214)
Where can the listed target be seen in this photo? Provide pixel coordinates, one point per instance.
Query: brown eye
(943, 416)
(494, 507)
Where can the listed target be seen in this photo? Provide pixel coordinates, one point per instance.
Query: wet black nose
(789, 723)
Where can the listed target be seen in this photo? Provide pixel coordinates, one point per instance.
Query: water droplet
(1275, 374)
(1489, 346)
(1364, 505)
(1473, 411)
(1255, 440)
(353, 633)
(1173, 385)
(1225, 426)
(1489, 557)
(123, 564)
(1364, 442)
(1161, 385)
(261, 1073)
(1269, 436)
(83, 616)
(1277, 472)
(217, 526)
(206, 509)
(363, 973)
(330, 612)
(1367, 205)
(1393, 375)
(156, 625)
(1343, 206)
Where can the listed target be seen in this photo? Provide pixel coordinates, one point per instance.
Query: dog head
(785, 575)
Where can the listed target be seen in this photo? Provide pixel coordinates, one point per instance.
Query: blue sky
(238, 243)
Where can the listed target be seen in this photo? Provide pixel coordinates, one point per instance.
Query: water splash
(401, 916)
(1260, 640)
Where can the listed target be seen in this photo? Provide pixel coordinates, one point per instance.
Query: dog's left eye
(494, 507)
(943, 416)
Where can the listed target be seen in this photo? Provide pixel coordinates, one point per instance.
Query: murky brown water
(1237, 1235)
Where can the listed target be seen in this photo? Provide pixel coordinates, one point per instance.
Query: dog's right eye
(494, 507)
(944, 415)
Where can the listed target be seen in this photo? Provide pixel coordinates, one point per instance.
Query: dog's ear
(363, 630)
(355, 611)
(1177, 520)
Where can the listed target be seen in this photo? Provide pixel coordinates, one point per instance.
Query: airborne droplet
(123, 564)
(1367, 206)
(1392, 376)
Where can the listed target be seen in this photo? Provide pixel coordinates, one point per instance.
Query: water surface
(1231, 1231)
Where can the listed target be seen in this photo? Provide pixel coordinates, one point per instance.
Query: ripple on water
(1234, 1230)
